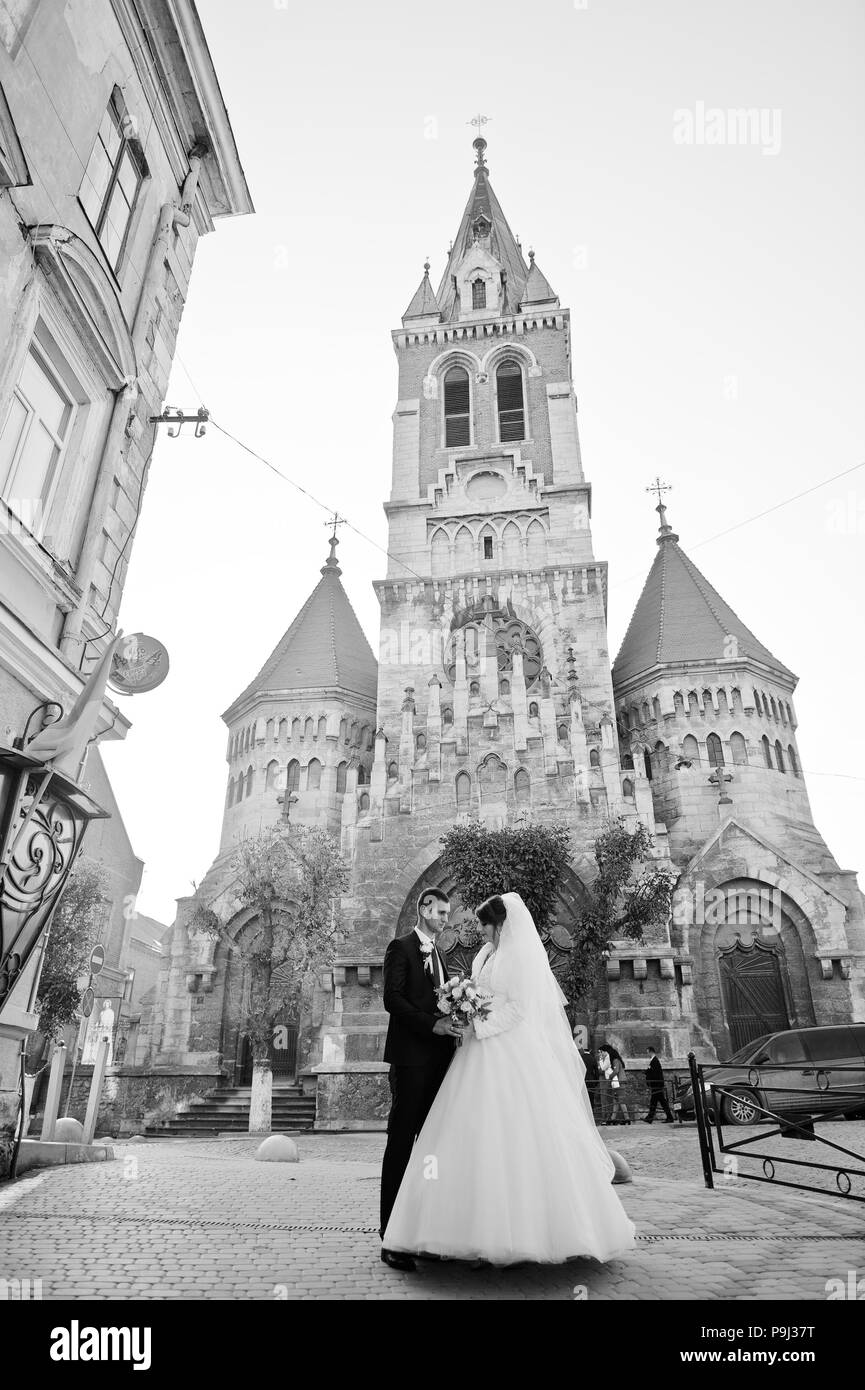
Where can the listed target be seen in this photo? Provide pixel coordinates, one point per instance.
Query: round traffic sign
(97, 959)
(87, 1001)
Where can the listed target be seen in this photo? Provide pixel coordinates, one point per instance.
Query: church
(494, 697)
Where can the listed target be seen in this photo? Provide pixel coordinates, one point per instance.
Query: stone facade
(496, 700)
(116, 156)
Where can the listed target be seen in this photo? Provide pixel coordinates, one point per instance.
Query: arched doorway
(237, 1045)
(752, 989)
(460, 941)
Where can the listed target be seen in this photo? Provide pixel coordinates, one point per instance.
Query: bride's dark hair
(492, 912)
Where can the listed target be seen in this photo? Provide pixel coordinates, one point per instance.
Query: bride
(509, 1165)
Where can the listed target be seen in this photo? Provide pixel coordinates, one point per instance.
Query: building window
(628, 788)
(292, 777)
(249, 776)
(594, 758)
(457, 408)
(534, 712)
(341, 776)
(308, 728)
(715, 750)
(779, 756)
(690, 749)
(313, 775)
(322, 727)
(34, 439)
(522, 787)
(479, 294)
(488, 547)
(739, 749)
(364, 802)
(114, 174)
(421, 743)
(509, 389)
(447, 715)
(392, 772)
(271, 774)
(767, 751)
(464, 790)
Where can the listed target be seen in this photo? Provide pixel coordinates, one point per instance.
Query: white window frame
(115, 110)
(36, 350)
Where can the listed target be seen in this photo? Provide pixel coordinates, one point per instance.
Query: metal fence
(833, 1099)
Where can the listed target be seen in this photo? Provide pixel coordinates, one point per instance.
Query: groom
(419, 1046)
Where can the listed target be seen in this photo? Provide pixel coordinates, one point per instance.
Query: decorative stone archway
(461, 940)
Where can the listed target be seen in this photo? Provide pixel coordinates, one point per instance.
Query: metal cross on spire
(335, 520)
(480, 143)
(660, 488)
(331, 561)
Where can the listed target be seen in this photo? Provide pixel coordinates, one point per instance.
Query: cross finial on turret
(331, 562)
(480, 143)
(666, 531)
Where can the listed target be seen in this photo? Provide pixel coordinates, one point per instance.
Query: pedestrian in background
(612, 1066)
(657, 1089)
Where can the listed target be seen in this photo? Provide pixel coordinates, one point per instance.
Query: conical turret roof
(538, 289)
(424, 303)
(324, 646)
(484, 210)
(681, 618)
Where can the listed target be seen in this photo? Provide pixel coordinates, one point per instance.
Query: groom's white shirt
(439, 967)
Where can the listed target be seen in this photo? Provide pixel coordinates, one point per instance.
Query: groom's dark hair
(492, 912)
(427, 896)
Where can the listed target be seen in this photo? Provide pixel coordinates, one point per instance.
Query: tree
(72, 935)
(623, 903)
(527, 859)
(288, 879)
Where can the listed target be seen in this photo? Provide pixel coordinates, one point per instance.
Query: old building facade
(116, 155)
(495, 698)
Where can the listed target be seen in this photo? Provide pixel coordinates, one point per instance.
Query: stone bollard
(623, 1172)
(277, 1148)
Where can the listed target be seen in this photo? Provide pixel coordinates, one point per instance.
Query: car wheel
(740, 1108)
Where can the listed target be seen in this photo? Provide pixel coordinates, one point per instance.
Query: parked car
(753, 1083)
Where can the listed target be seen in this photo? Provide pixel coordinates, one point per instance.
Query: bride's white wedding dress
(509, 1165)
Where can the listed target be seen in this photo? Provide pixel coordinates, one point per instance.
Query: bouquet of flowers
(463, 1001)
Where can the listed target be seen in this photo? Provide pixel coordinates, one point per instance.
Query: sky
(714, 274)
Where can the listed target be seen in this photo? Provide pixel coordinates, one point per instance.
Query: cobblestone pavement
(200, 1219)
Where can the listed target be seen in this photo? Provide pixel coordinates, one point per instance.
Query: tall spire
(484, 221)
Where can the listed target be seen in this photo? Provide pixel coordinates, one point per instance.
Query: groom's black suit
(418, 1057)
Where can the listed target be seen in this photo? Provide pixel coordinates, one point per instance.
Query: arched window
(313, 775)
(536, 545)
(249, 776)
(656, 708)
(441, 553)
(628, 762)
(392, 772)
(322, 727)
(341, 774)
(420, 743)
(779, 756)
(295, 729)
(707, 700)
(678, 702)
(512, 550)
(474, 688)
(693, 702)
(563, 733)
(354, 728)
(364, 802)
(690, 749)
(644, 712)
(270, 774)
(504, 687)
(628, 788)
(758, 703)
(366, 738)
(660, 758)
(361, 776)
(292, 776)
(737, 697)
(447, 715)
(464, 550)
(308, 728)
(343, 730)
(739, 749)
(457, 408)
(509, 392)
(479, 293)
(774, 709)
(464, 790)
(715, 750)
(723, 702)
(594, 758)
(522, 786)
(794, 761)
(534, 712)
(647, 763)
(789, 715)
(269, 729)
(767, 750)
(487, 544)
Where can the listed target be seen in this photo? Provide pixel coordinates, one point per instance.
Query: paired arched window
(464, 790)
(313, 775)
(739, 749)
(511, 407)
(341, 775)
(457, 408)
(715, 750)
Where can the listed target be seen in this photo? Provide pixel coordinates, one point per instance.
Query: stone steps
(227, 1110)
